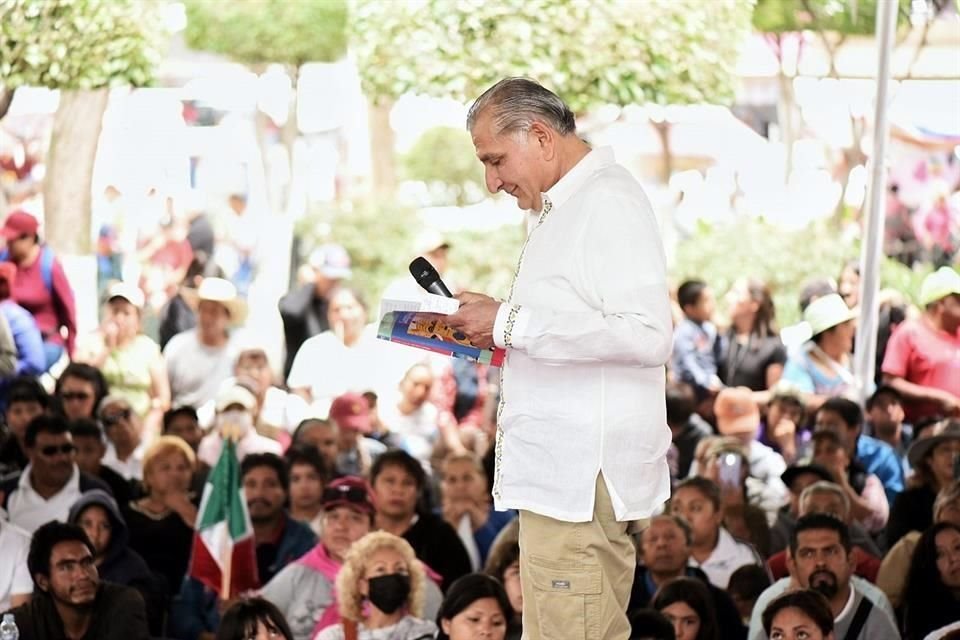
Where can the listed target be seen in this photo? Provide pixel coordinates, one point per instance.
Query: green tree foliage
(269, 31)
(785, 260)
(592, 53)
(445, 156)
(78, 44)
(840, 16)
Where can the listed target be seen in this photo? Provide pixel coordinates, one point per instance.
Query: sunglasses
(52, 450)
(75, 395)
(114, 418)
(350, 494)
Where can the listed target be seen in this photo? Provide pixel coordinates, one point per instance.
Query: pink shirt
(51, 310)
(922, 355)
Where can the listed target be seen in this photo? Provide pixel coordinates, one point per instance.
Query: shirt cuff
(510, 326)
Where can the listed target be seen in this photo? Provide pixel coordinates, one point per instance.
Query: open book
(408, 326)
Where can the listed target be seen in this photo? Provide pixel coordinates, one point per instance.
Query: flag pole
(225, 575)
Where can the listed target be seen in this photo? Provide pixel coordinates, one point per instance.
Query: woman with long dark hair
(476, 605)
(754, 355)
(253, 619)
(932, 597)
(687, 604)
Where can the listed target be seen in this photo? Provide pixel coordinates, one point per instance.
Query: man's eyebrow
(487, 157)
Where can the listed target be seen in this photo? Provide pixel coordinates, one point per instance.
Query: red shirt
(867, 565)
(922, 355)
(51, 311)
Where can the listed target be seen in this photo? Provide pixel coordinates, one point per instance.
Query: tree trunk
(6, 99)
(786, 109)
(666, 164)
(73, 149)
(382, 151)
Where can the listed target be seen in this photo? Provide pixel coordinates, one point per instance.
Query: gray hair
(675, 519)
(516, 103)
(825, 487)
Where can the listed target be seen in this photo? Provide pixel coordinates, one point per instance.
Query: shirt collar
(847, 607)
(570, 183)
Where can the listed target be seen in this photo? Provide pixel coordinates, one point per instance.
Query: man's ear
(42, 581)
(545, 138)
(790, 566)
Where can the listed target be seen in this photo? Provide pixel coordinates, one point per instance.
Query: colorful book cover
(430, 333)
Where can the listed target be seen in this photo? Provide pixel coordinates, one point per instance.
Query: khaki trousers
(576, 576)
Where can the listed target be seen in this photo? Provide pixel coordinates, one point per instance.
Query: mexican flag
(224, 553)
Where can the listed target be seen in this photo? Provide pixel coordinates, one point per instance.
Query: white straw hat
(827, 312)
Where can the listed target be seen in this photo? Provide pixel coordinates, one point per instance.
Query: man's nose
(493, 181)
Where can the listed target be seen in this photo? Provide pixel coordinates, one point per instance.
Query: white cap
(127, 291)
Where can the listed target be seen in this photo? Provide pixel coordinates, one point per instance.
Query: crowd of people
(796, 512)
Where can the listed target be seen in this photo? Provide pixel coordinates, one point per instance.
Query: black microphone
(428, 278)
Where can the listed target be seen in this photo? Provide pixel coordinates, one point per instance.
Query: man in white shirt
(52, 482)
(16, 585)
(582, 434)
(236, 408)
(122, 427)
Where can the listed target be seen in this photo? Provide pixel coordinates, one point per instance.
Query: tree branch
(6, 98)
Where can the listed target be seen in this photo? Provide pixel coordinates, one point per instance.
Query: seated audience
(26, 399)
(467, 507)
(803, 614)
(822, 367)
(686, 603)
(29, 356)
(687, 428)
(932, 593)
(236, 408)
(381, 590)
(304, 590)
(886, 421)
(412, 423)
(69, 598)
(783, 427)
(831, 499)
(51, 482)
(647, 624)
(253, 618)
(868, 502)
(820, 559)
(932, 459)
(698, 501)
(15, 583)
(184, 423)
(845, 418)
(279, 541)
(96, 512)
(398, 479)
(504, 565)
(797, 477)
(279, 411)
(80, 389)
(124, 432)
(745, 586)
(350, 415)
(920, 361)
(130, 361)
(322, 435)
(697, 346)
(754, 355)
(308, 475)
(91, 447)
(664, 552)
(896, 563)
(476, 606)
(161, 523)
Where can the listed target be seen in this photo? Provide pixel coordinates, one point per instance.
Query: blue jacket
(696, 352)
(881, 460)
(195, 609)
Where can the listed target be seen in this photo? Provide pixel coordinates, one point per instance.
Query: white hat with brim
(235, 394)
(827, 312)
(223, 293)
(126, 291)
(938, 285)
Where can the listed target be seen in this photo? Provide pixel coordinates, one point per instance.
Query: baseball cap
(736, 411)
(331, 260)
(351, 411)
(349, 491)
(235, 394)
(129, 292)
(796, 470)
(938, 285)
(19, 224)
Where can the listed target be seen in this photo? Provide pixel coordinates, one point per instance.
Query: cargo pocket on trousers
(567, 597)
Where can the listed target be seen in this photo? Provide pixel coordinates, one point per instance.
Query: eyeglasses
(69, 396)
(113, 418)
(53, 449)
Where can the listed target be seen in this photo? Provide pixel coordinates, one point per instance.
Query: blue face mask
(390, 592)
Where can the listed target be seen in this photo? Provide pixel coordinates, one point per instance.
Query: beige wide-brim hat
(827, 312)
(223, 293)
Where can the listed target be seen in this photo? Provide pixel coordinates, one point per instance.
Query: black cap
(795, 471)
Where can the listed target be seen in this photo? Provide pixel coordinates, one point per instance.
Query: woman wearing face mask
(381, 592)
(236, 413)
(476, 607)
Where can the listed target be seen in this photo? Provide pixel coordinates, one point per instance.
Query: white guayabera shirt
(587, 330)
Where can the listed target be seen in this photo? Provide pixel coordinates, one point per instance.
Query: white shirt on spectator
(283, 410)
(583, 383)
(212, 444)
(129, 469)
(29, 510)
(196, 371)
(729, 555)
(416, 433)
(15, 578)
